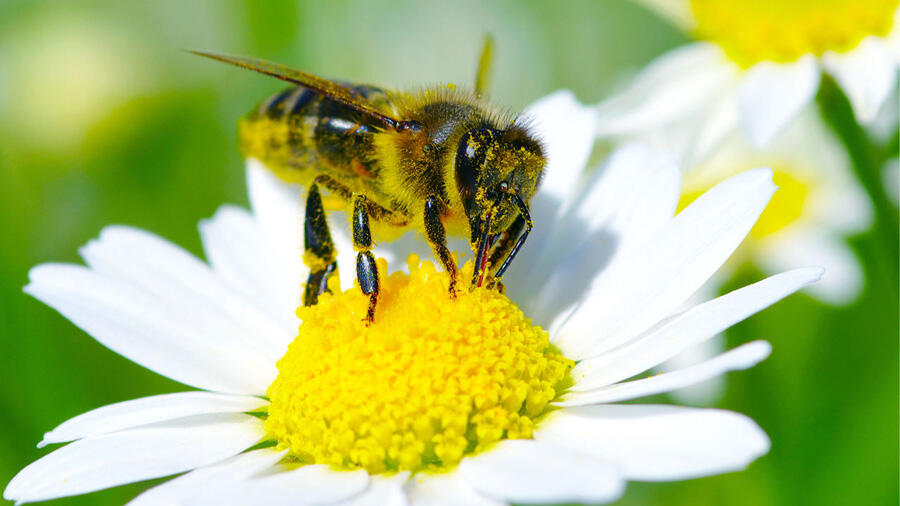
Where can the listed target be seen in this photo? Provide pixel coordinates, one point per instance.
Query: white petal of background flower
(168, 337)
(688, 329)
(147, 410)
(772, 94)
(843, 279)
(529, 471)
(742, 357)
(443, 489)
(676, 11)
(713, 127)
(671, 88)
(205, 482)
(134, 455)
(648, 285)
(239, 252)
(866, 74)
(657, 443)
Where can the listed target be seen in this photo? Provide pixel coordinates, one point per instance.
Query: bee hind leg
(319, 253)
(366, 270)
(437, 239)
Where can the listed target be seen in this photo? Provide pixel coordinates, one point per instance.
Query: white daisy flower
(818, 203)
(438, 402)
(755, 67)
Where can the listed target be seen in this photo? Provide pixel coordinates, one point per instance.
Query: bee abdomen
(300, 131)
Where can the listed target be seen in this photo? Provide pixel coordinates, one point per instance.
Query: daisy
(818, 203)
(438, 402)
(755, 66)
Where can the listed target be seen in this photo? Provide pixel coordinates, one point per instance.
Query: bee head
(493, 167)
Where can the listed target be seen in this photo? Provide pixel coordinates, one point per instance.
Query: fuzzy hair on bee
(439, 160)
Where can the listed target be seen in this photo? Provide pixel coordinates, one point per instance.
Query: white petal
(843, 279)
(641, 288)
(147, 410)
(742, 357)
(199, 484)
(688, 329)
(713, 128)
(309, 484)
(170, 338)
(187, 285)
(634, 194)
(866, 74)
(384, 490)
(673, 87)
(135, 455)
(566, 129)
(706, 393)
(772, 94)
(278, 206)
(527, 471)
(657, 443)
(890, 178)
(678, 12)
(240, 253)
(444, 489)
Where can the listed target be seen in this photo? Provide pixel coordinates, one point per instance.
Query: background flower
(755, 67)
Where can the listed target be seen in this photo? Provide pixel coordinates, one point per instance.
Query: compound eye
(469, 161)
(504, 187)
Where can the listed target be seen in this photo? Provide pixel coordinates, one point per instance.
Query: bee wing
(327, 88)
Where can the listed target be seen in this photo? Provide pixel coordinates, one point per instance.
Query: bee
(439, 160)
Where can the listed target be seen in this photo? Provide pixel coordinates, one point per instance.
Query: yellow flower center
(751, 31)
(784, 208)
(431, 381)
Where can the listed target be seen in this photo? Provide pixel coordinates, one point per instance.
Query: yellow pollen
(751, 31)
(784, 208)
(431, 381)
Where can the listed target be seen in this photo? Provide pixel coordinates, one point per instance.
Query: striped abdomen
(298, 133)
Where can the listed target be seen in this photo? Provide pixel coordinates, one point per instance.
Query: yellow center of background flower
(784, 208)
(751, 31)
(430, 381)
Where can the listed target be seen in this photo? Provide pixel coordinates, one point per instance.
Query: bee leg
(366, 270)
(502, 250)
(437, 238)
(319, 255)
(525, 216)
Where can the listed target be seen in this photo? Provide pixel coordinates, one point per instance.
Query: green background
(104, 119)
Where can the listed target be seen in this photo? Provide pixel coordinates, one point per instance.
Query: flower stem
(867, 163)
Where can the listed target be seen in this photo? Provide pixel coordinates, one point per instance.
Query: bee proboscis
(440, 160)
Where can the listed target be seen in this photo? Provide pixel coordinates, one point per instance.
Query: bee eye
(504, 186)
(469, 161)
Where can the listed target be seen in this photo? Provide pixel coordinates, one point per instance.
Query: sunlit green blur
(105, 119)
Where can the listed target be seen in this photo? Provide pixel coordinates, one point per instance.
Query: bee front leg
(503, 252)
(366, 270)
(437, 238)
(319, 255)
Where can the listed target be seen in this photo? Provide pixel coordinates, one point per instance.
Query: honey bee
(439, 160)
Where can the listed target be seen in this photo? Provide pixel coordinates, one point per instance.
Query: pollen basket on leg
(431, 381)
(752, 31)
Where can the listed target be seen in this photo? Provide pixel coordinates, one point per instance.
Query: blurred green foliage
(104, 119)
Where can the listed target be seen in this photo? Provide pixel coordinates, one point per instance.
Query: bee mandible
(440, 160)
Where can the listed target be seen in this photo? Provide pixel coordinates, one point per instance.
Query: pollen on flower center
(430, 381)
(751, 31)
